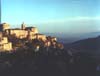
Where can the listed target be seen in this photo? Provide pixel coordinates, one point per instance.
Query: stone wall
(41, 36)
(5, 45)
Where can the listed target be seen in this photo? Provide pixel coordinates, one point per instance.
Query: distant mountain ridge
(87, 42)
(91, 35)
(70, 38)
(89, 45)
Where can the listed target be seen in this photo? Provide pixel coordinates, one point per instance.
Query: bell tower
(23, 26)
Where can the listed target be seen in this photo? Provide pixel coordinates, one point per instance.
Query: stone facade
(29, 33)
(41, 36)
(33, 29)
(0, 34)
(24, 32)
(4, 26)
(5, 45)
(18, 33)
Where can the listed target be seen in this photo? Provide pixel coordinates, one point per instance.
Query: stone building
(18, 33)
(53, 39)
(5, 45)
(47, 43)
(23, 32)
(33, 29)
(29, 33)
(23, 26)
(41, 36)
(4, 26)
(0, 35)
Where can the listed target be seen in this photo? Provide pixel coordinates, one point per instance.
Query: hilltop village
(12, 39)
(26, 52)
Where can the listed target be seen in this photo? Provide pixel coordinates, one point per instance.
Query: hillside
(36, 54)
(90, 45)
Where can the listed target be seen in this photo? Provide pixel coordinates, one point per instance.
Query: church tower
(23, 26)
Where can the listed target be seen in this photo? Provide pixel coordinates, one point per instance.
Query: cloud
(78, 18)
(73, 25)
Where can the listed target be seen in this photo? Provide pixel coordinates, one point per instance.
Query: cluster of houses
(30, 33)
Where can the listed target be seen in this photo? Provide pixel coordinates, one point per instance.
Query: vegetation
(52, 62)
(36, 58)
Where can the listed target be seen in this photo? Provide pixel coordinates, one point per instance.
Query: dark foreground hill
(90, 47)
(52, 62)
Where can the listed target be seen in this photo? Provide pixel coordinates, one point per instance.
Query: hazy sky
(63, 16)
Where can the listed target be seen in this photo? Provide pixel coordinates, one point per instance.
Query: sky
(53, 16)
